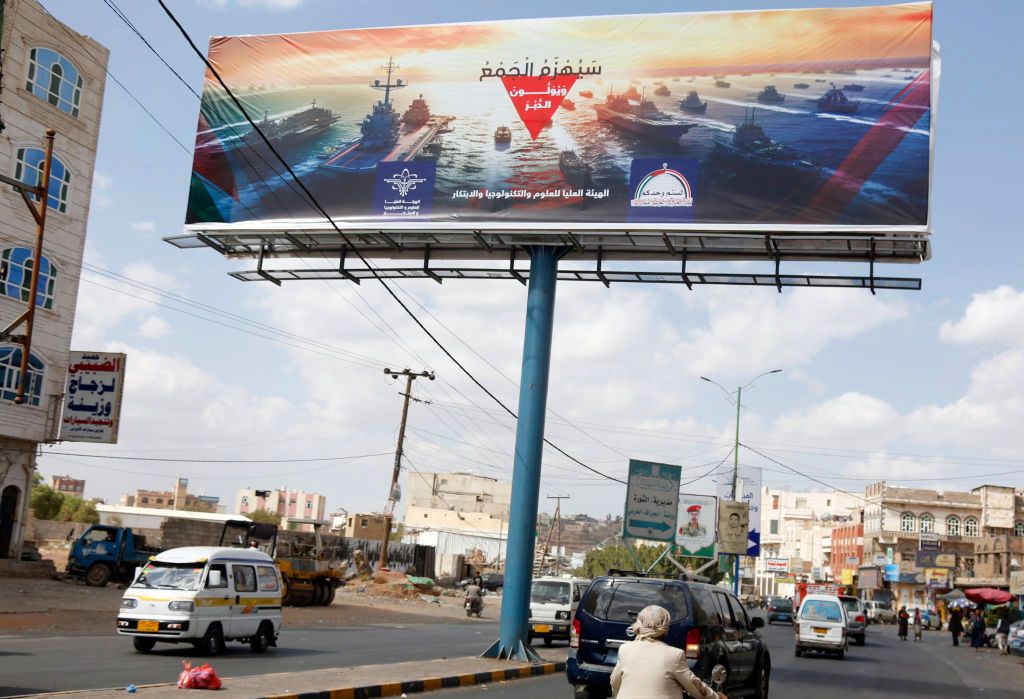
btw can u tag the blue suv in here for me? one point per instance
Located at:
(708, 623)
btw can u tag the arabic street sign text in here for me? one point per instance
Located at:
(652, 498)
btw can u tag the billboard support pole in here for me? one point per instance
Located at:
(533, 396)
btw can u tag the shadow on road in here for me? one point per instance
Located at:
(795, 677)
(231, 652)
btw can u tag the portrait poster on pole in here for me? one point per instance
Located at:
(732, 527)
(652, 500)
(695, 530)
(749, 491)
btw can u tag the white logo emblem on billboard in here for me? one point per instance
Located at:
(404, 181)
(663, 187)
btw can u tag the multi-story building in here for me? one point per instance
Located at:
(995, 557)
(366, 526)
(177, 499)
(457, 502)
(74, 487)
(847, 551)
(796, 527)
(293, 504)
(50, 77)
(903, 526)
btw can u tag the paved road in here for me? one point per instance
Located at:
(47, 664)
(885, 668)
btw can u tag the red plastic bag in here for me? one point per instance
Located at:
(202, 677)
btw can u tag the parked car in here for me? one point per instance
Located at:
(930, 619)
(183, 596)
(1016, 638)
(553, 603)
(856, 619)
(780, 609)
(708, 623)
(879, 613)
(821, 625)
(493, 582)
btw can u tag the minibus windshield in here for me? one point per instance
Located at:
(171, 576)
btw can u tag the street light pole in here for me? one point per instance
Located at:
(736, 460)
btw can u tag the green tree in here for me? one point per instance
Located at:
(46, 503)
(265, 516)
(86, 512)
(600, 561)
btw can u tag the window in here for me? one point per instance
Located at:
(775, 502)
(309, 506)
(16, 277)
(739, 615)
(268, 578)
(223, 569)
(821, 610)
(145, 499)
(907, 522)
(970, 527)
(774, 526)
(245, 578)
(28, 168)
(245, 499)
(55, 79)
(1018, 529)
(801, 503)
(625, 600)
(364, 522)
(927, 524)
(952, 526)
(10, 375)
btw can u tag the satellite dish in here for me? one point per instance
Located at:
(1014, 563)
(825, 516)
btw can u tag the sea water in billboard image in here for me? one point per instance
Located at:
(808, 120)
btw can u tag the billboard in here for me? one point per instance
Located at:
(652, 500)
(717, 121)
(695, 525)
(777, 565)
(92, 397)
(733, 518)
(749, 491)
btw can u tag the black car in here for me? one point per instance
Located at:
(493, 582)
(708, 623)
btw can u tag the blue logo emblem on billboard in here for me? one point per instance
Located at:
(662, 190)
(404, 188)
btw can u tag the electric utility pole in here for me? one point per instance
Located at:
(389, 507)
(558, 531)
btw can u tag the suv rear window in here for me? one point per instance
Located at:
(622, 601)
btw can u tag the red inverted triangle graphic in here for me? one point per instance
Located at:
(537, 98)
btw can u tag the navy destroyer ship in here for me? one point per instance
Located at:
(692, 103)
(752, 156)
(386, 137)
(294, 129)
(770, 95)
(835, 101)
(575, 170)
(644, 119)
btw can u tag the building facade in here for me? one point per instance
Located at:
(52, 77)
(73, 487)
(457, 502)
(365, 526)
(176, 499)
(797, 528)
(293, 504)
(847, 551)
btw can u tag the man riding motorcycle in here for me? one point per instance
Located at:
(474, 599)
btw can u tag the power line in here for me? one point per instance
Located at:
(323, 212)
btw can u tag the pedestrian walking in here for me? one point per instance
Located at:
(650, 669)
(917, 625)
(977, 630)
(956, 625)
(903, 618)
(1002, 633)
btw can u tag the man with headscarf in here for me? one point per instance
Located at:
(648, 668)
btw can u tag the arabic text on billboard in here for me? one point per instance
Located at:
(665, 120)
(92, 397)
(652, 500)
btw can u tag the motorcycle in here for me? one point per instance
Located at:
(474, 605)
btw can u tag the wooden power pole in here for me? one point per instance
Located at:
(558, 531)
(389, 507)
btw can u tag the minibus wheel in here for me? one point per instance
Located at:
(212, 642)
(263, 639)
(143, 645)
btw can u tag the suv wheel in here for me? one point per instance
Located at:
(582, 691)
(759, 682)
(797, 651)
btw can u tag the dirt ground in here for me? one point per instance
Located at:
(51, 607)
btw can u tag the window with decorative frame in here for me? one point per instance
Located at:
(970, 527)
(927, 524)
(952, 526)
(1018, 529)
(16, 277)
(10, 375)
(907, 522)
(28, 168)
(53, 78)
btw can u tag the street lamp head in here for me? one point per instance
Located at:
(707, 379)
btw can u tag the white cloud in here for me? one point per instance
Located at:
(993, 317)
(101, 184)
(852, 420)
(144, 226)
(100, 308)
(154, 327)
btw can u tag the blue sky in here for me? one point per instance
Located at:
(908, 385)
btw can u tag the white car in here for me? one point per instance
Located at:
(879, 613)
(821, 625)
(553, 603)
(205, 596)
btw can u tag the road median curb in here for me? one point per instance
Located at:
(395, 689)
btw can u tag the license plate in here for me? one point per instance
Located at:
(149, 626)
(542, 628)
(818, 629)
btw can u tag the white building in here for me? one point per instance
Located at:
(797, 527)
(459, 501)
(53, 77)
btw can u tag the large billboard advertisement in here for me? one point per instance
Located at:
(652, 500)
(790, 120)
(92, 397)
